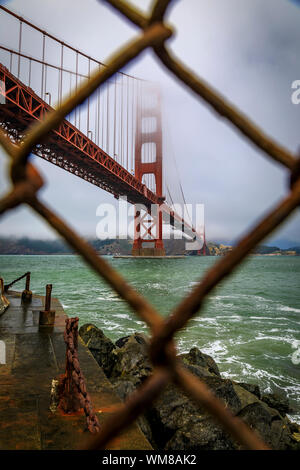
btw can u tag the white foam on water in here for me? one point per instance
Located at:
(193, 283)
(295, 418)
(214, 320)
(124, 316)
(289, 309)
(269, 318)
(215, 349)
(283, 339)
(112, 328)
(110, 297)
(243, 296)
(257, 299)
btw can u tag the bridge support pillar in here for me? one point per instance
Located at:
(146, 242)
(204, 250)
(148, 169)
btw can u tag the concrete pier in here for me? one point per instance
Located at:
(34, 356)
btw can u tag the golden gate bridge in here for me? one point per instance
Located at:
(114, 140)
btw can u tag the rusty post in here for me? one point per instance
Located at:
(47, 316)
(27, 294)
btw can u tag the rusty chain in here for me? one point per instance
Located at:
(27, 181)
(72, 387)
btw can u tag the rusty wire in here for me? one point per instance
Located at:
(27, 181)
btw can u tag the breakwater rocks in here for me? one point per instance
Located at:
(174, 422)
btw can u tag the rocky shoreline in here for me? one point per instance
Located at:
(174, 422)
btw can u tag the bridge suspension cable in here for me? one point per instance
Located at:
(173, 185)
(61, 68)
(39, 71)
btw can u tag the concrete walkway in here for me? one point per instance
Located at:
(35, 356)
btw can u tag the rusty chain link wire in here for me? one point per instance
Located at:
(72, 387)
(27, 181)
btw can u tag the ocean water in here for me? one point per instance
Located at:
(250, 323)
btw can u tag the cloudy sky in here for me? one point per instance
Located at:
(247, 49)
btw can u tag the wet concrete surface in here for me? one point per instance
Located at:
(34, 357)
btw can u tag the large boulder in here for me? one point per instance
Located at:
(252, 388)
(131, 360)
(100, 346)
(177, 421)
(205, 434)
(124, 388)
(196, 358)
(277, 432)
(278, 402)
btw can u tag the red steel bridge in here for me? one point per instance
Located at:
(113, 141)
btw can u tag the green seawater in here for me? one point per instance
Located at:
(250, 323)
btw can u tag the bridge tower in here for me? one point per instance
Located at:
(204, 250)
(148, 161)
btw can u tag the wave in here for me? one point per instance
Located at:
(285, 308)
(256, 298)
(216, 348)
(122, 316)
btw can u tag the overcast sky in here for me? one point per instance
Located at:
(249, 50)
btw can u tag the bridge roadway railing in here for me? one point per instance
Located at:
(27, 182)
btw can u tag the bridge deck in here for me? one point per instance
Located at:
(33, 358)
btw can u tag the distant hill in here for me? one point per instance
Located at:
(268, 250)
(27, 246)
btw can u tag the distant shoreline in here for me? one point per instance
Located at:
(279, 255)
(117, 246)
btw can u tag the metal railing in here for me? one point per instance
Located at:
(27, 287)
(27, 181)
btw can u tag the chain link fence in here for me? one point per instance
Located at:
(26, 182)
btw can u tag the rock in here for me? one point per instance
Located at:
(140, 338)
(197, 358)
(100, 346)
(252, 388)
(123, 389)
(257, 417)
(175, 419)
(120, 342)
(278, 402)
(246, 398)
(224, 389)
(131, 359)
(294, 427)
(175, 422)
(169, 413)
(203, 435)
(271, 427)
(198, 371)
